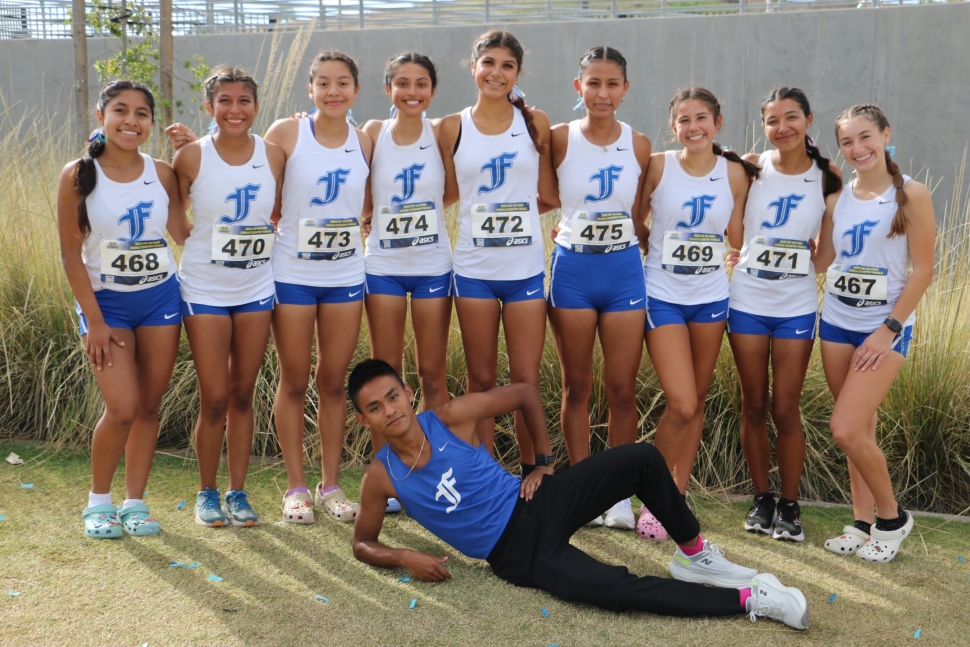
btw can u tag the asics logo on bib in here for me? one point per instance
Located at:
(497, 166)
(858, 233)
(408, 176)
(783, 208)
(243, 197)
(698, 206)
(446, 488)
(607, 178)
(136, 217)
(333, 180)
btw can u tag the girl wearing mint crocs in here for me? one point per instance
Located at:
(114, 206)
(884, 239)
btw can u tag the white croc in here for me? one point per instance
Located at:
(297, 508)
(851, 540)
(884, 545)
(336, 504)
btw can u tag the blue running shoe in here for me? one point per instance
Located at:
(207, 509)
(238, 510)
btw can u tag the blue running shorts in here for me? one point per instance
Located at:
(309, 295)
(661, 313)
(159, 305)
(800, 327)
(505, 291)
(419, 287)
(190, 309)
(828, 332)
(602, 282)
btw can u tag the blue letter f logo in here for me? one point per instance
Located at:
(497, 166)
(783, 208)
(858, 235)
(332, 180)
(408, 177)
(698, 206)
(136, 217)
(243, 197)
(607, 177)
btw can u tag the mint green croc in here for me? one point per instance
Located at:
(101, 522)
(137, 521)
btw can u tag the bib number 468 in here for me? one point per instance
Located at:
(136, 263)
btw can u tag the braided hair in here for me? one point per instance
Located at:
(753, 171)
(501, 38)
(832, 182)
(875, 114)
(85, 173)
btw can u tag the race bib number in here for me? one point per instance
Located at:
(134, 263)
(501, 224)
(242, 246)
(859, 286)
(692, 253)
(778, 259)
(328, 239)
(600, 232)
(407, 225)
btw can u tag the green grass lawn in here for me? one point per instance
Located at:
(78, 591)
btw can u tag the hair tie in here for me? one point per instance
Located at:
(516, 92)
(97, 136)
(213, 127)
(350, 118)
(811, 142)
(580, 104)
(891, 151)
(393, 111)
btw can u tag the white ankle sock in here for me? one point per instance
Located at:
(98, 499)
(130, 502)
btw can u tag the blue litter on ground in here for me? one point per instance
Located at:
(400, 579)
(414, 603)
(192, 565)
(918, 632)
(959, 559)
(180, 505)
(545, 612)
(13, 594)
(3, 518)
(144, 494)
(832, 597)
(176, 564)
(27, 486)
(321, 598)
(215, 578)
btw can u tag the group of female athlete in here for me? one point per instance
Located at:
(278, 245)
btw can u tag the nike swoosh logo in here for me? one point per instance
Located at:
(152, 182)
(263, 301)
(717, 314)
(260, 166)
(353, 294)
(171, 315)
(436, 289)
(807, 180)
(715, 179)
(620, 150)
(633, 303)
(801, 332)
(517, 134)
(349, 150)
(424, 147)
(529, 294)
(885, 201)
(442, 448)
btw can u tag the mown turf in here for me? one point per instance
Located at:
(76, 591)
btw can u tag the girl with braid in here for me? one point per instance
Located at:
(774, 300)
(884, 239)
(114, 206)
(691, 195)
(497, 154)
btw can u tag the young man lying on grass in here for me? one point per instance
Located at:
(436, 466)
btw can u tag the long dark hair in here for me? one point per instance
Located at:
(229, 74)
(875, 114)
(334, 55)
(395, 62)
(753, 171)
(602, 53)
(832, 182)
(85, 174)
(502, 38)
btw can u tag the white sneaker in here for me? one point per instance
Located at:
(393, 506)
(770, 599)
(620, 516)
(710, 566)
(596, 522)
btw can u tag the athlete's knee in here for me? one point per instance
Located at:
(479, 381)
(293, 389)
(621, 396)
(241, 400)
(214, 409)
(576, 392)
(755, 409)
(433, 382)
(328, 388)
(122, 414)
(681, 410)
(788, 418)
(846, 435)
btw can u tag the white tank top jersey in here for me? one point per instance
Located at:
(774, 276)
(499, 235)
(408, 233)
(597, 188)
(126, 250)
(685, 261)
(870, 269)
(319, 243)
(226, 261)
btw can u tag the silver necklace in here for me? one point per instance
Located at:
(387, 457)
(603, 146)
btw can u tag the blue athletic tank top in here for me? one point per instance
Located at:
(461, 495)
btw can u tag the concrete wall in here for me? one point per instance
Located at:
(912, 61)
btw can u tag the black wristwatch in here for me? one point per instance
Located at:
(544, 460)
(893, 325)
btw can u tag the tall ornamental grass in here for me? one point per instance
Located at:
(48, 394)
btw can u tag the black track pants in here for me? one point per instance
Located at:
(534, 549)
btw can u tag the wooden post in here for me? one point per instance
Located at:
(124, 38)
(166, 68)
(80, 70)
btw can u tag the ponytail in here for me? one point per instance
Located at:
(900, 220)
(86, 178)
(530, 122)
(753, 171)
(832, 182)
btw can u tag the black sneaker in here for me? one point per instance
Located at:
(788, 524)
(761, 516)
